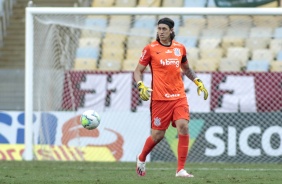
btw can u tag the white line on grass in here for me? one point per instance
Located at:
(200, 169)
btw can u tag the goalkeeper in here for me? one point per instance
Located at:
(166, 58)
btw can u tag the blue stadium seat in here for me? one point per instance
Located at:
(145, 23)
(278, 32)
(187, 41)
(97, 22)
(279, 56)
(257, 66)
(88, 52)
(194, 3)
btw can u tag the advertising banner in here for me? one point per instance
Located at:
(228, 137)
(59, 136)
(228, 92)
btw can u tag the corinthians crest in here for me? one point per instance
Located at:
(177, 52)
(157, 121)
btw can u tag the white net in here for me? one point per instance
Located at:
(85, 62)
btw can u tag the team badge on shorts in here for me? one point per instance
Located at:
(157, 121)
(177, 51)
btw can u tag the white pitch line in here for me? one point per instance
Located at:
(195, 169)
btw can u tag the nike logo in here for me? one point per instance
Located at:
(158, 52)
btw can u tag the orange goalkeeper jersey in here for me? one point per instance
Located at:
(165, 63)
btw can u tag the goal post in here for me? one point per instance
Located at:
(43, 95)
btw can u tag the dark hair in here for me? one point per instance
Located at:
(166, 21)
(170, 23)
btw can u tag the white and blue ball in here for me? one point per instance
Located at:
(90, 119)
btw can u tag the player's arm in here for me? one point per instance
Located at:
(144, 91)
(189, 72)
(193, 77)
(138, 72)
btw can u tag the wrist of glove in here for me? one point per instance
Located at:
(144, 91)
(201, 88)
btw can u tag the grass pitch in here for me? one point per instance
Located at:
(124, 173)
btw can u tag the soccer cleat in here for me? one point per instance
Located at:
(140, 167)
(182, 173)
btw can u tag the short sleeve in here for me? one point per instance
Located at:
(145, 56)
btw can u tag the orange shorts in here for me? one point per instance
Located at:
(165, 112)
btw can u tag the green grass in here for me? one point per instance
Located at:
(119, 173)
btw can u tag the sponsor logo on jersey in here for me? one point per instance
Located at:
(157, 121)
(171, 95)
(177, 51)
(170, 61)
(168, 51)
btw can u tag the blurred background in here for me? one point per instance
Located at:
(188, 31)
(86, 62)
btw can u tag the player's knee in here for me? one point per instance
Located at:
(158, 136)
(183, 129)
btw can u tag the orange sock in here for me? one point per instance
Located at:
(149, 145)
(183, 146)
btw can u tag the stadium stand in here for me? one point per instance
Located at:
(231, 41)
(276, 66)
(254, 43)
(103, 3)
(172, 3)
(97, 21)
(129, 65)
(212, 33)
(109, 42)
(133, 54)
(279, 56)
(229, 65)
(88, 52)
(222, 39)
(112, 54)
(188, 32)
(149, 3)
(263, 54)
(145, 22)
(188, 42)
(257, 66)
(114, 20)
(209, 43)
(213, 53)
(12, 49)
(110, 65)
(194, 22)
(278, 32)
(207, 65)
(126, 3)
(216, 22)
(237, 32)
(240, 53)
(241, 21)
(275, 46)
(85, 64)
(266, 21)
(89, 42)
(193, 55)
(195, 3)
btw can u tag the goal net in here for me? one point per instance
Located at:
(83, 58)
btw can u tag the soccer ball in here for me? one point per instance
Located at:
(90, 119)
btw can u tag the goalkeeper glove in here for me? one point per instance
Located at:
(143, 91)
(201, 88)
